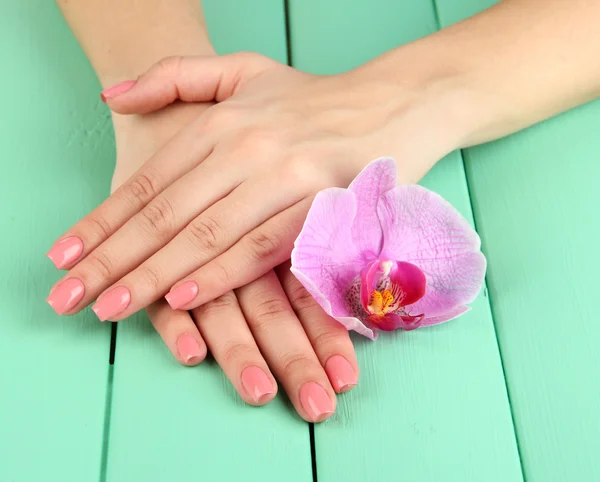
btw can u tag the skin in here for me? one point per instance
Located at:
(278, 136)
(295, 351)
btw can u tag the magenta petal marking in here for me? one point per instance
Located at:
(422, 228)
(378, 177)
(411, 281)
(392, 321)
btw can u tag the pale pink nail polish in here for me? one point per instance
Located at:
(65, 251)
(256, 382)
(112, 303)
(117, 89)
(181, 295)
(315, 401)
(188, 349)
(340, 373)
(66, 295)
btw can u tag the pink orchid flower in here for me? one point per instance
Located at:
(379, 256)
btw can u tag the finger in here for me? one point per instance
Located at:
(189, 148)
(228, 337)
(179, 332)
(190, 79)
(286, 348)
(145, 233)
(252, 256)
(330, 340)
(210, 234)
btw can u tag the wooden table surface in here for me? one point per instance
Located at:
(509, 392)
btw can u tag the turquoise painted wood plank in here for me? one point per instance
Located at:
(431, 404)
(174, 423)
(535, 198)
(56, 151)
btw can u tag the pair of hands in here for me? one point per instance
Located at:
(219, 205)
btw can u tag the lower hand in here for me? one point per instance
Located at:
(255, 334)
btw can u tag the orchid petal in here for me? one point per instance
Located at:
(348, 322)
(392, 321)
(450, 315)
(324, 252)
(422, 228)
(411, 281)
(378, 177)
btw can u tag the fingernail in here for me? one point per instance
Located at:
(65, 251)
(257, 383)
(112, 303)
(315, 401)
(188, 348)
(340, 373)
(182, 294)
(66, 295)
(117, 89)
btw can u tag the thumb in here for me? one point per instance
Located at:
(190, 79)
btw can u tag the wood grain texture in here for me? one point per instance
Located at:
(57, 151)
(169, 422)
(536, 199)
(431, 404)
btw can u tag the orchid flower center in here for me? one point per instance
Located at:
(386, 301)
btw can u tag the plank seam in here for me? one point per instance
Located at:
(108, 403)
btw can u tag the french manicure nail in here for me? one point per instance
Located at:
(315, 401)
(188, 348)
(112, 303)
(66, 295)
(182, 294)
(340, 373)
(65, 251)
(256, 382)
(117, 89)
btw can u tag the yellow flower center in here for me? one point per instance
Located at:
(382, 302)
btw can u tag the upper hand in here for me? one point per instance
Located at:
(222, 203)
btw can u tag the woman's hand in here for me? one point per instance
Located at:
(221, 204)
(269, 329)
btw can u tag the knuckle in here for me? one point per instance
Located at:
(205, 233)
(150, 277)
(263, 246)
(330, 340)
(301, 171)
(216, 306)
(170, 65)
(234, 352)
(257, 141)
(271, 308)
(158, 216)
(142, 189)
(301, 299)
(101, 264)
(100, 226)
(295, 363)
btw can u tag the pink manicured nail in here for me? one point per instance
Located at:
(315, 401)
(188, 348)
(65, 251)
(182, 295)
(340, 373)
(112, 303)
(257, 383)
(117, 89)
(66, 295)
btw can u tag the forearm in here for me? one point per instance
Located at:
(509, 67)
(123, 38)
